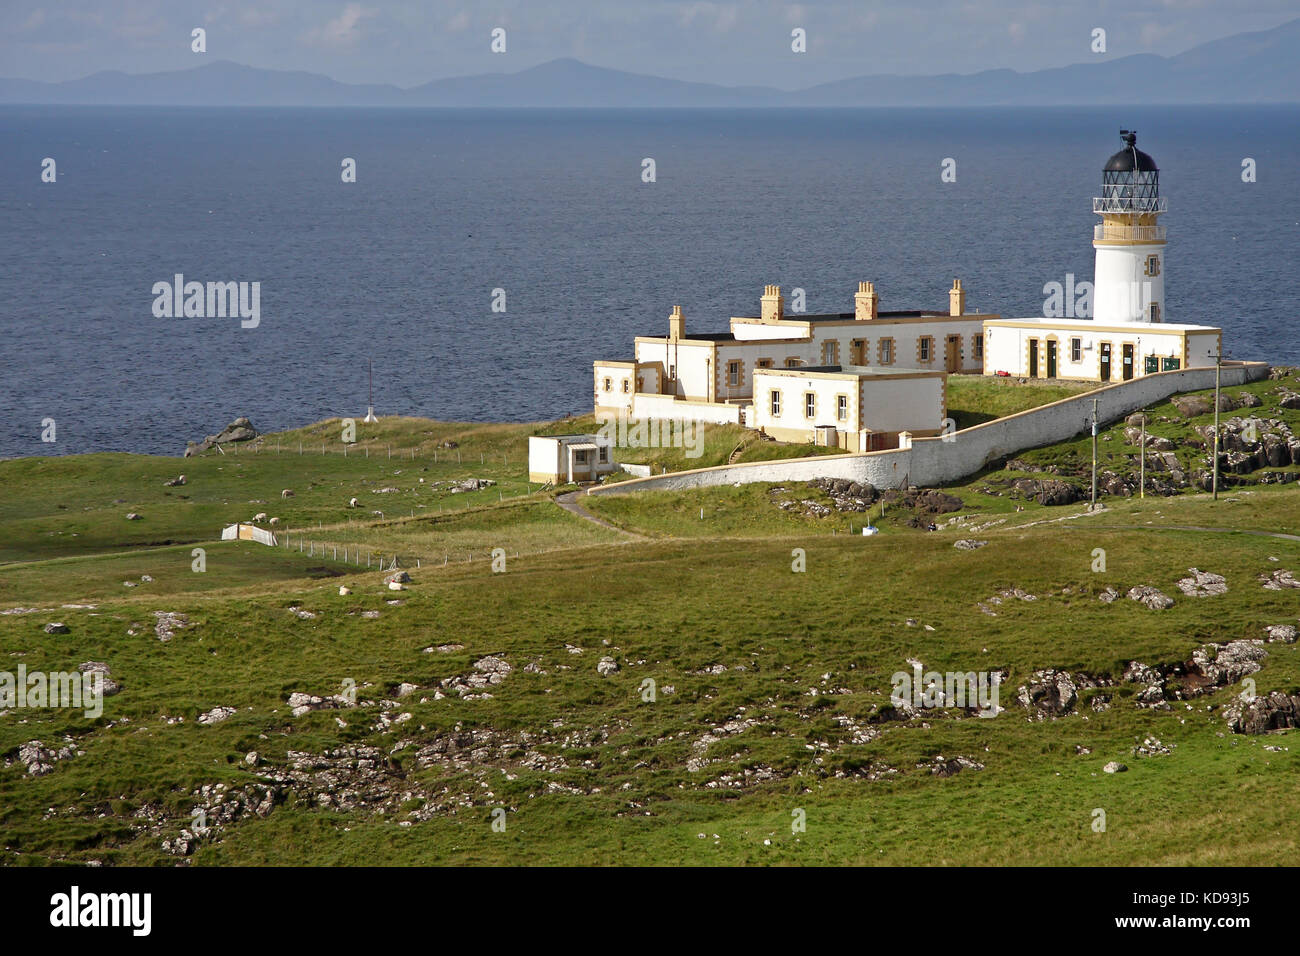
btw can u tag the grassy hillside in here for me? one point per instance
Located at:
(478, 690)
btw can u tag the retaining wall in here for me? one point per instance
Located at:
(937, 461)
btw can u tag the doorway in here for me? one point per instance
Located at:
(1033, 358)
(1104, 361)
(1051, 358)
(1128, 362)
(952, 353)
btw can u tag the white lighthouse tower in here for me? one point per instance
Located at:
(1129, 280)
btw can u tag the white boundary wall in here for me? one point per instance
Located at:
(934, 461)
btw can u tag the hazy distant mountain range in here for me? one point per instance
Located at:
(1258, 67)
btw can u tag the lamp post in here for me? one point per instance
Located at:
(1218, 367)
(1093, 505)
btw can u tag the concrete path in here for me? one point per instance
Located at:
(569, 502)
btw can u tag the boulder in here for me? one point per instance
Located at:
(57, 627)
(606, 666)
(241, 429)
(968, 544)
(1114, 767)
(1189, 406)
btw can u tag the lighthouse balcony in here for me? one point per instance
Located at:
(1122, 202)
(1123, 233)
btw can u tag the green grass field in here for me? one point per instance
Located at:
(771, 686)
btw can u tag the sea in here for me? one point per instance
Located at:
(483, 259)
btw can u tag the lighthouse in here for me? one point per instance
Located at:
(1129, 280)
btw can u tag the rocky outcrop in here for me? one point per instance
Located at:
(1049, 491)
(241, 429)
(1052, 693)
(1258, 715)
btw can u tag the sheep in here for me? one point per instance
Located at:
(260, 516)
(287, 493)
(354, 503)
(274, 521)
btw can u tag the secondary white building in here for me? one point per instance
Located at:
(565, 459)
(849, 407)
(710, 377)
(1127, 336)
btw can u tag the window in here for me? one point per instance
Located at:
(580, 456)
(627, 386)
(1153, 265)
(1076, 350)
(830, 353)
(1152, 364)
(733, 374)
(672, 373)
(792, 362)
(842, 408)
(924, 348)
(763, 363)
(886, 351)
(604, 454)
(1155, 312)
(776, 403)
(608, 384)
(809, 404)
(979, 346)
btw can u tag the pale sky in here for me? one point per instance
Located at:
(734, 43)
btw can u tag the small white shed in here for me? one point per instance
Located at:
(563, 459)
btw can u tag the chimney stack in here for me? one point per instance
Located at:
(676, 324)
(772, 304)
(956, 299)
(866, 304)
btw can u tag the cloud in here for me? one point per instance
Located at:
(343, 31)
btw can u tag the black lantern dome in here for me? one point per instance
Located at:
(1131, 180)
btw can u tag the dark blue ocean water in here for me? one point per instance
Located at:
(549, 205)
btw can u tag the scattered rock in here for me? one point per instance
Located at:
(968, 544)
(1278, 580)
(40, 760)
(606, 666)
(1152, 747)
(132, 516)
(1108, 596)
(1202, 584)
(1152, 597)
(1114, 767)
(216, 715)
(168, 623)
(57, 627)
(1285, 633)
(172, 483)
(400, 577)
